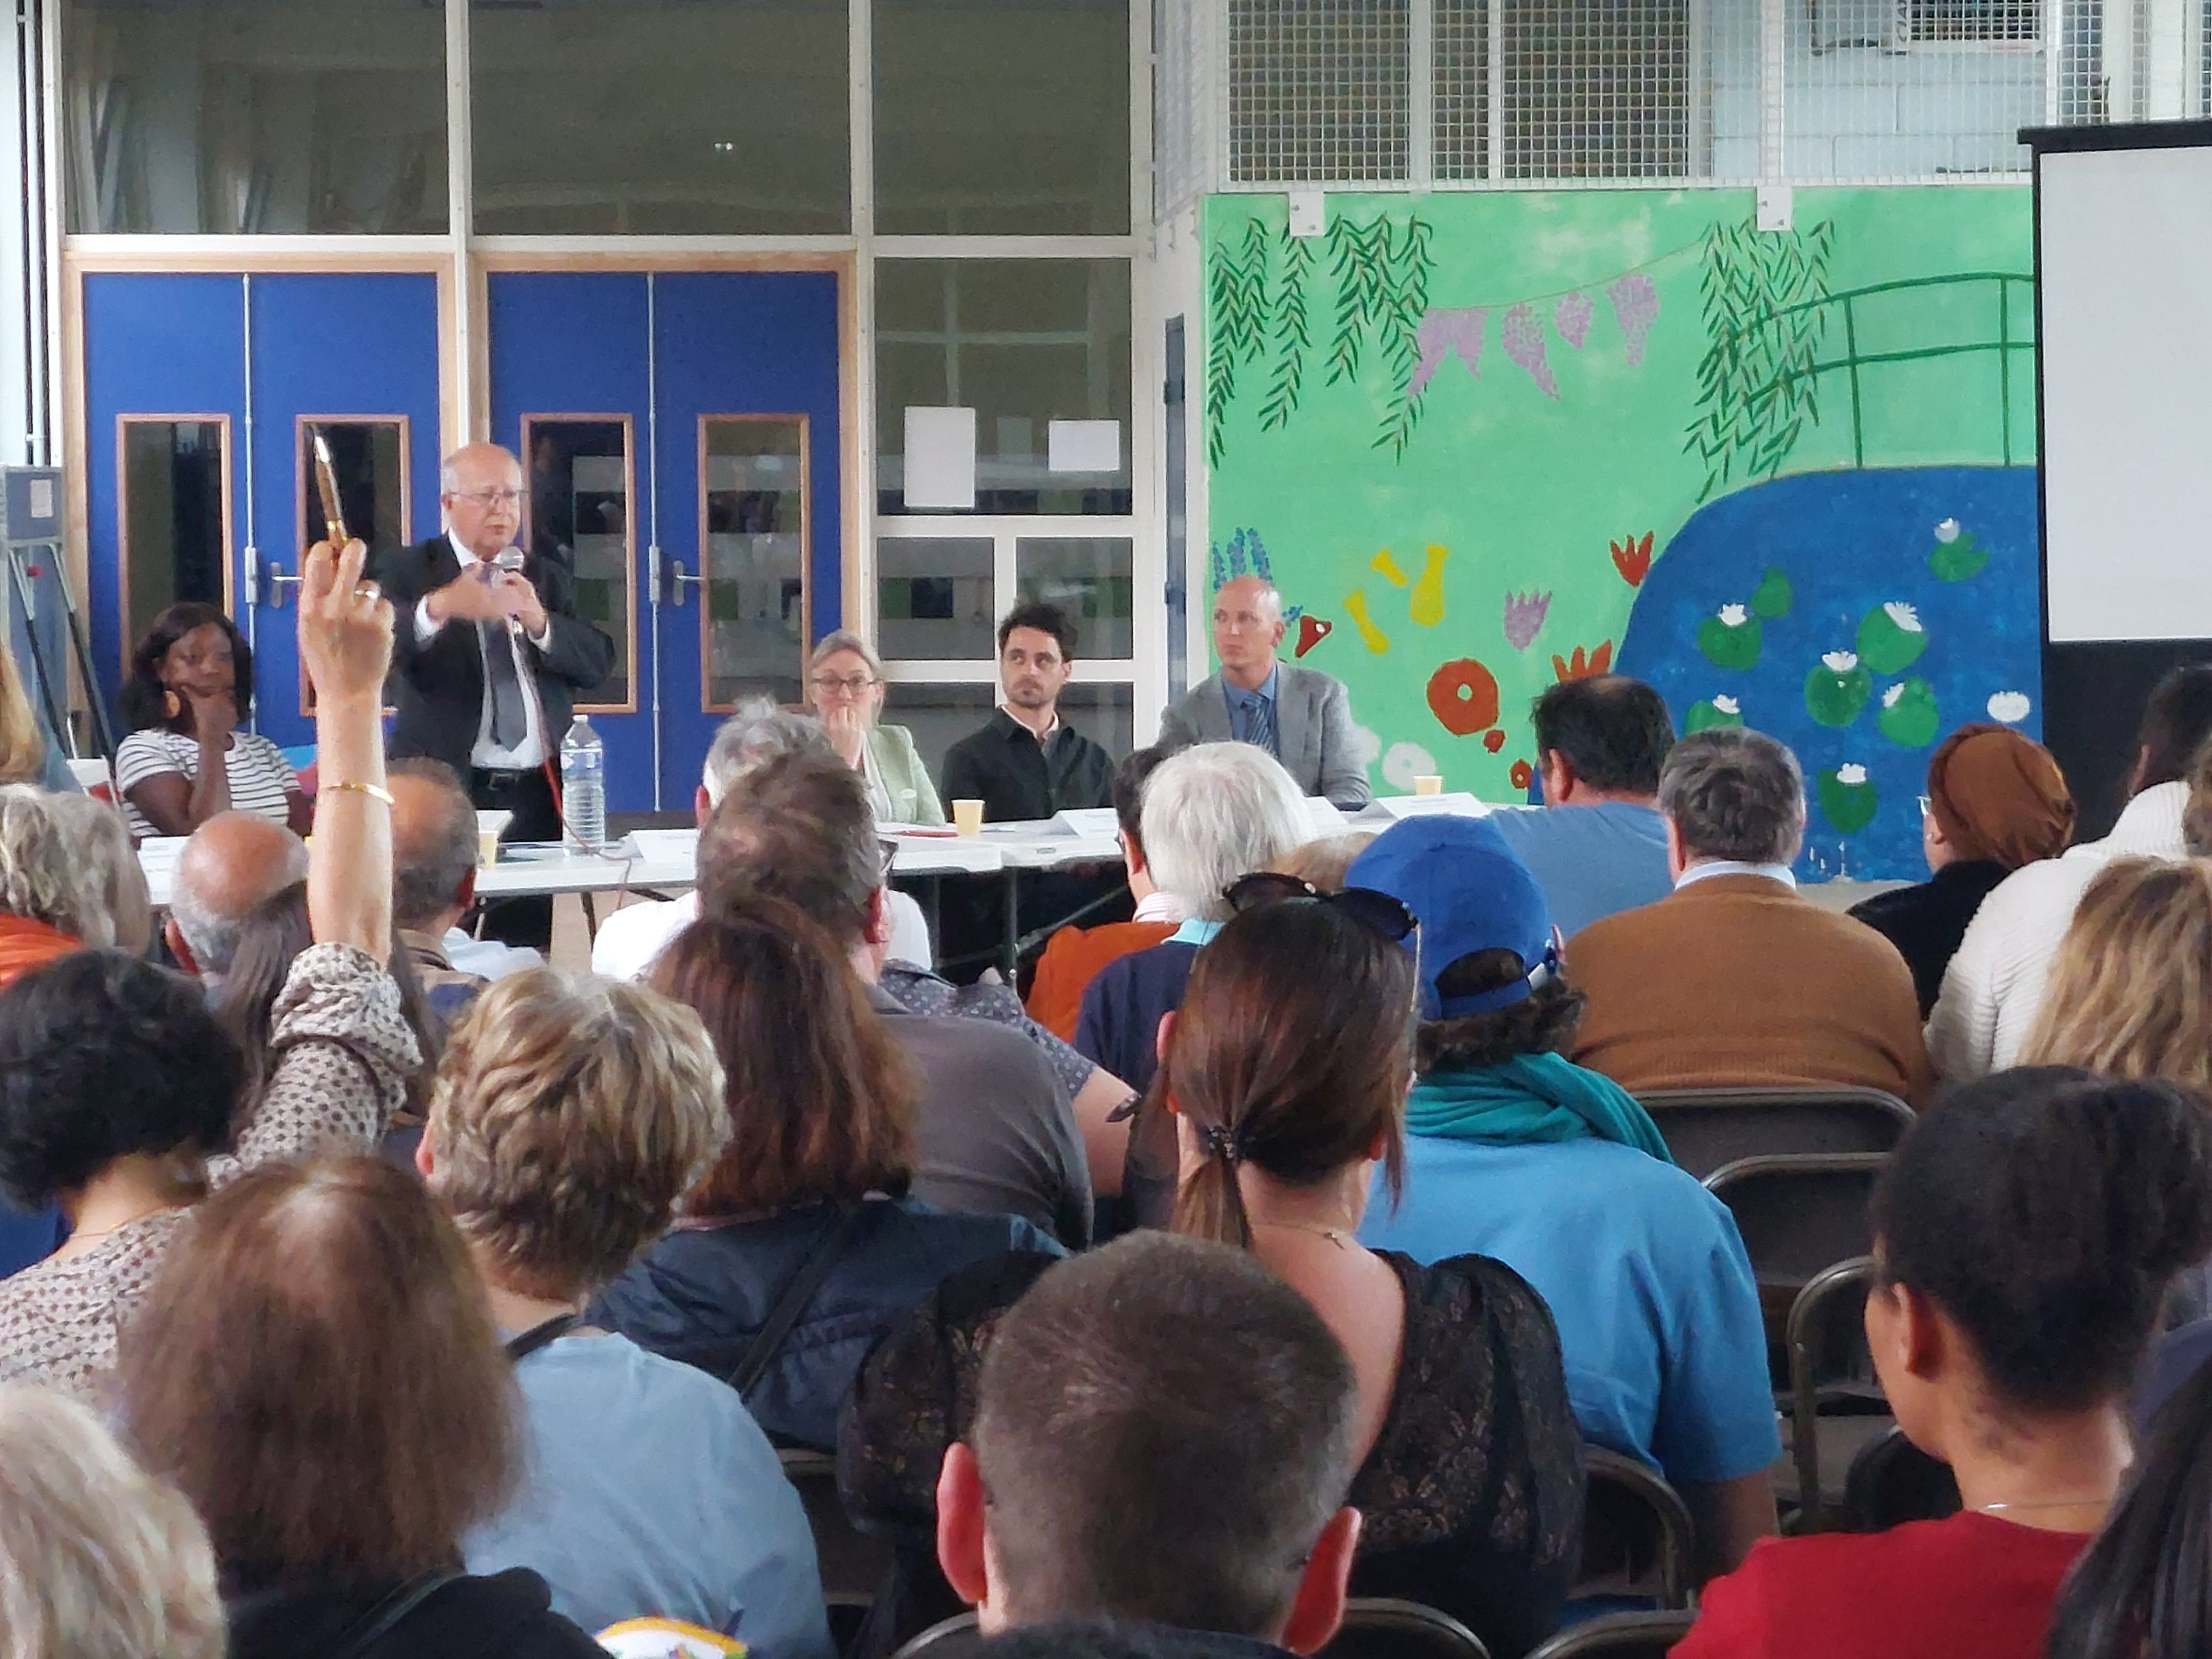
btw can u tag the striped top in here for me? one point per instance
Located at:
(260, 776)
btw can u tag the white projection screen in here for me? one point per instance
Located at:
(2124, 260)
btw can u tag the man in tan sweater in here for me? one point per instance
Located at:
(1734, 978)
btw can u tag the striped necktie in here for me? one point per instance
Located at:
(1259, 724)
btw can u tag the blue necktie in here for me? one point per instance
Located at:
(1259, 724)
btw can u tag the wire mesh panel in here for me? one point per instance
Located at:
(1462, 95)
(1596, 89)
(1318, 91)
(1879, 90)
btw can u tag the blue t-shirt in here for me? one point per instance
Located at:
(651, 1492)
(1591, 861)
(1645, 1276)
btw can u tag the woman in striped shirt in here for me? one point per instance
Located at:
(191, 678)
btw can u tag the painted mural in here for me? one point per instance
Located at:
(1484, 443)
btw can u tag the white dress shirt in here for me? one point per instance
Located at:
(531, 753)
(1711, 867)
(628, 940)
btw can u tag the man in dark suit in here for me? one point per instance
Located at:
(486, 661)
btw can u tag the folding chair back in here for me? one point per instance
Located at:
(1706, 1128)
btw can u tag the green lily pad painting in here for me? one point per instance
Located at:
(1837, 689)
(1711, 712)
(1774, 596)
(1909, 717)
(1891, 638)
(1731, 639)
(1848, 800)
(1958, 553)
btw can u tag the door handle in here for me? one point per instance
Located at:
(679, 579)
(267, 581)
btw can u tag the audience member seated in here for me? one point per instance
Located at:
(184, 761)
(1212, 813)
(96, 1558)
(997, 1135)
(571, 1113)
(801, 1248)
(1287, 1070)
(1556, 1172)
(231, 866)
(28, 752)
(317, 1372)
(52, 897)
(116, 1084)
(1073, 956)
(433, 877)
(1994, 988)
(1025, 762)
(2141, 1590)
(2023, 1233)
(270, 945)
(95, 829)
(846, 684)
(1600, 744)
(1995, 801)
(1735, 978)
(1323, 864)
(2131, 987)
(758, 732)
(1165, 1432)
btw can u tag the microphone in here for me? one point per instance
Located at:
(510, 558)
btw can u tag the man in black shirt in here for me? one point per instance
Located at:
(1026, 763)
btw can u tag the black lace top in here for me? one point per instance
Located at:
(1472, 1496)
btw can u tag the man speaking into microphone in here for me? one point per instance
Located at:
(487, 660)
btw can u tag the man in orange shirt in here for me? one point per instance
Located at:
(1073, 956)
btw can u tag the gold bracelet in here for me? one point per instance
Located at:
(373, 791)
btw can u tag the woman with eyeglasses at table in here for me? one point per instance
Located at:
(1285, 1071)
(845, 684)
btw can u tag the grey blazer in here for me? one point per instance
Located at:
(1313, 723)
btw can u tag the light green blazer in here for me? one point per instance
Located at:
(898, 783)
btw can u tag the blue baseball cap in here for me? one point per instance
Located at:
(1470, 892)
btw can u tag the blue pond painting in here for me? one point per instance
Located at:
(1859, 617)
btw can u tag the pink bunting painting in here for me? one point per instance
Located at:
(1523, 337)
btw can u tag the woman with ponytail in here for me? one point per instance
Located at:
(1284, 1077)
(2025, 1230)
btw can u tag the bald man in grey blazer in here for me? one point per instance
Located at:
(1301, 716)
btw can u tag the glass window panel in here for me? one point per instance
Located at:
(232, 117)
(660, 117)
(176, 516)
(754, 531)
(1090, 580)
(1000, 119)
(1022, 342)
(1107, 714)
(938, 716)
(579, 514)
(934, 598)
(370, 458)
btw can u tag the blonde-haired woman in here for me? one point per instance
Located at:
(2130, 990)
(845, 683)
(96, 1556)
(28, 753)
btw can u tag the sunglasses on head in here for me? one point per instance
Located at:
(1378, 912)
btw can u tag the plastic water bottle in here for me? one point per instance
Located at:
(583, 785)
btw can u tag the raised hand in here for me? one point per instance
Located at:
(345, 624)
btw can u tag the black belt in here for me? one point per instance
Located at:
(501, 777)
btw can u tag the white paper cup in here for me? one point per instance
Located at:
(1428, 783)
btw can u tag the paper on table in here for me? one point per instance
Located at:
(1088, 820)
(1326, 816)
(940, 459)
(1457, 803)
(658, 846)
(1083, 445)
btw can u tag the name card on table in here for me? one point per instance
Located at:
(1090, 821)
(1455, 804)
(1325, 815)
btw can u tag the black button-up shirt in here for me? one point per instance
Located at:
(1015, 777)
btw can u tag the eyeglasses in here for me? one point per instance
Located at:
(1378, 912)
(490, 497)
(1926, 806)
(826, 683)
(887, 851)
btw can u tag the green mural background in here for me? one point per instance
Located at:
(1417, 479)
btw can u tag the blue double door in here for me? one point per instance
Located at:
(679, 432)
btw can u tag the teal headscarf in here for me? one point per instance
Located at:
(1531, 1099)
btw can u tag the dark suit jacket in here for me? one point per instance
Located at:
(438, 688)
